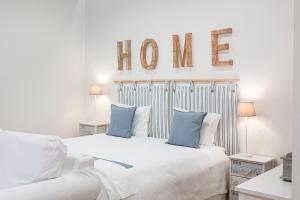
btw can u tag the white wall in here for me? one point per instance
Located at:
(296, 136)
(42, 65)
(261, 46)
(42, 58)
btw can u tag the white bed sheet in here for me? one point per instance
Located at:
(160, 171)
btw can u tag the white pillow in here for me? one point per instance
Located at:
(141, 120)
(28, 158)
(209, 127)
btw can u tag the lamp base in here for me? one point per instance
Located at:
(247, 155)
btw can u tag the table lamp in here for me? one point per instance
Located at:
(246, 109)
(96, 90)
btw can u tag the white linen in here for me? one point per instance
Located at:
(160, 171)
(80, 185)
(29, 158)
(141, 120)
(74, 163)
(208, 129)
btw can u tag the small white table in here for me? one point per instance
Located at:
(92, 127)
(267, 186)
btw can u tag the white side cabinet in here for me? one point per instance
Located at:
(92, 127)
(243, 168)
(268, 186)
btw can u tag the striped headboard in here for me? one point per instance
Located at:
(211, 97)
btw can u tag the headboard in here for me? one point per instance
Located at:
(215, 96)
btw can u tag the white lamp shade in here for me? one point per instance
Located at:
(246, 109)
(96, 90)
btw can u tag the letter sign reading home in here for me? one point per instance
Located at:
(184, 60)
(124, 55)
(216, 47)
(143, 54)
(180, 58)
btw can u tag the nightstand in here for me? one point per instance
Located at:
(92, 127)
(245, 168)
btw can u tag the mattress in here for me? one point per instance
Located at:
(147, 168)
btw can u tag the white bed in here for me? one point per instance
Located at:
(159, 171)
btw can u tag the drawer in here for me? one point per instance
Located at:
(101, 129)
(246, 169)
(91, 130)
(87, 130)
(234, 195)
(237, 180)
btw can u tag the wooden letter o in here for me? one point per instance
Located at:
(143, 54)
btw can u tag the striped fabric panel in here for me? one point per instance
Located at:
(163, 97)
(220, 98)
(156, 95)
(226, 96)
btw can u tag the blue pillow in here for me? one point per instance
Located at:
(185, 129)
(121, 121)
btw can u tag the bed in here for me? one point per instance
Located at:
(147, 168)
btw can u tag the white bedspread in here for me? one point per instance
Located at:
(78, 185)
(160, 171)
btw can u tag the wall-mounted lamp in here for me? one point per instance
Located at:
(246, 109)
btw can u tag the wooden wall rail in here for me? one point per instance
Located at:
(180, 81)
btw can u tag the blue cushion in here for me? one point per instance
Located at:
(121, 121)
(185, 129)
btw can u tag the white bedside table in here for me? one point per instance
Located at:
(244, 168)
(92, 127)
(268, 186)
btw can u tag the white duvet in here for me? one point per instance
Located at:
(160, 171)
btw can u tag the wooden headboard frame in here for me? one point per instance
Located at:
(236, 80)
